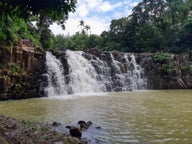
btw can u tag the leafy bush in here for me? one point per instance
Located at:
(162, 58)
(185, 69)
(13, 29)
(14, 68)
(167, 68)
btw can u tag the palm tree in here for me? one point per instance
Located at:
(87, 28)
(82, 24)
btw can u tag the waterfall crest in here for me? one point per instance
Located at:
(87, 73)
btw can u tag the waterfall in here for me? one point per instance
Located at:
(56, 79)
(87, 73)
(83, 77)
(137, 78)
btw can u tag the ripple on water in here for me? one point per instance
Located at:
(147, 117)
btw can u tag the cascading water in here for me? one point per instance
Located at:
(83, 77)
(88, 73)
(56, 79)
(138, 80)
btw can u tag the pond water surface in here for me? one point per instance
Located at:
(138, 117)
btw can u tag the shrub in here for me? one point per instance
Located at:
(167, 68)
(14, 68)
(185, 69)
(162, 58)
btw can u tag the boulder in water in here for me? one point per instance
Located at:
(74, 131)
(55, 124)
(84, 125)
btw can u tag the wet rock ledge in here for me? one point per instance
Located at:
(13, 131)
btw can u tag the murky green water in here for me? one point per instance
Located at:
(134, 117)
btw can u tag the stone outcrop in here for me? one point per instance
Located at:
(21, 71)
(176, 73)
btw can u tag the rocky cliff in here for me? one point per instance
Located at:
(167, 71)
(21, 71)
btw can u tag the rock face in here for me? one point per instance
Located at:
(173, 73)
(21, 71)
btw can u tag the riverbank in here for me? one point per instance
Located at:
(14, 131)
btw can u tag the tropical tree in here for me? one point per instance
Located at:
(56, 10)
(82, 25)
(46, 12)
(164, 18)
(87, 28)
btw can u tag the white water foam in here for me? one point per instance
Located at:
(83, 77)
(56, 80)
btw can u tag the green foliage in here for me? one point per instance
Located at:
(165, 60)
(45, 38)
(115, 38)
(54, 10)
(16, 17)
(167, 69)
(79, 41)
(186, 69)
(153, 26)
(58, 41)
(11, 30)
(56, 52)
(185, 37)
(14, 68)
(162, 58)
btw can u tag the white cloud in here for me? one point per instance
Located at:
(104, 7)
(97, 14)
(134, 4)
(82, 10)
(107, 6)
(93, 3)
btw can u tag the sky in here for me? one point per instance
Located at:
(95, 13)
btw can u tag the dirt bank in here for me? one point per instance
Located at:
(13, 131)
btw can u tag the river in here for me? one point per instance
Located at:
(138, 117)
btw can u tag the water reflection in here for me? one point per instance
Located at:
(132, 117)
